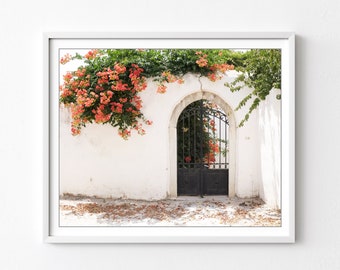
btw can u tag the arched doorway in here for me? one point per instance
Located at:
(231, 135)
(202, 150)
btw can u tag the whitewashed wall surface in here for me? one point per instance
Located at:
(100, 163)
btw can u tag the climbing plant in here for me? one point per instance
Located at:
(260, 71)
(105, 88)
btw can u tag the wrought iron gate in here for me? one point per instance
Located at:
(202, 150)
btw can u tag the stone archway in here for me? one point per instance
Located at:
(173, 137)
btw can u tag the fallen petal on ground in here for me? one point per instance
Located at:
(182, 211)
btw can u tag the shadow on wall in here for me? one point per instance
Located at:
(270, 150)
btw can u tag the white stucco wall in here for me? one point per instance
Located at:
(269, 125)
(98, 162)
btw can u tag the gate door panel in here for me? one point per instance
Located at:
(189, 183)
(202, 150)
(215, 182)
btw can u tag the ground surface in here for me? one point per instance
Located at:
(182, 211)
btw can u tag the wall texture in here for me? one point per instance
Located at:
(100, 163)
(317, 130)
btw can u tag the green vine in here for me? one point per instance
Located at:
(105, 89)
(260, 71)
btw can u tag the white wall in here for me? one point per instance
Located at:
(317, 130)
(269, 125)
(98, 162)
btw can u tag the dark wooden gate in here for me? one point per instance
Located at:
(202, 150)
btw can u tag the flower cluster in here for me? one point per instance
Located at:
(202, 61)
(213, 150)
(91, 54)
(106, 89)
(106, 96)
(215, 71)
(170, 78)
(213, 145)
(67, 58)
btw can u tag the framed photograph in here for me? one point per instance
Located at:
(169, 137)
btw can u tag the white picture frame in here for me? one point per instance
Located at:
(54, 234)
